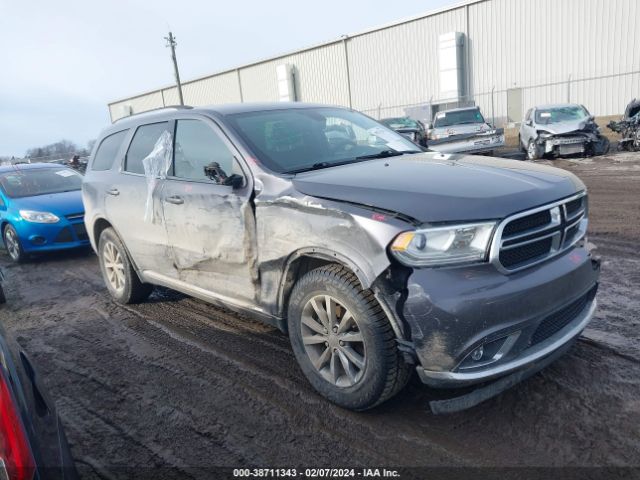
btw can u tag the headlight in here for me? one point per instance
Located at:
(544, 134)
(450, 245)
(38, 217)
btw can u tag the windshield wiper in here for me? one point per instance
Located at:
(387, 153)
(321, 165)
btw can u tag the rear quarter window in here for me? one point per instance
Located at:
(107, 151)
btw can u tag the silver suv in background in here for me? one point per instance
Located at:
(560, 130)
(463, 130)
(375, 257)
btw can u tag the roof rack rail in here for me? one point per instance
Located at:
(175, 107)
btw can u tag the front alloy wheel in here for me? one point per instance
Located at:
(333, 341)
(343, 341)
(533, 151)
(12, 244)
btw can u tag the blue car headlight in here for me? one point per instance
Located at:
(38, 217)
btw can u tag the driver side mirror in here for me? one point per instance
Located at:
(529, 123)
(430, 126)
(214, 172)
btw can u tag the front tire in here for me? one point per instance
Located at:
(117, 271)
(343, 340)
(533, 151)
(13, 245)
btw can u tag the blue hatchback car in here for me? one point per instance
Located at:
(41, 209)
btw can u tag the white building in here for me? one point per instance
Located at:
(504, 55)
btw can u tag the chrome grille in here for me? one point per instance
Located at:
(530, 237)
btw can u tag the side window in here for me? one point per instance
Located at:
(2, 204)
(196, 147)
(142, 144)
(528, 115)
(107, 151)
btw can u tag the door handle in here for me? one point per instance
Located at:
(175, 199)
(114, 191)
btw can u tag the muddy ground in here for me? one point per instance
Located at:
(177, 383)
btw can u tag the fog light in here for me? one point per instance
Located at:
(477, 354)
(38, 240)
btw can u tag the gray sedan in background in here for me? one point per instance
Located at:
(561, 130)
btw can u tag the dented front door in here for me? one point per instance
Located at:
(210, 226)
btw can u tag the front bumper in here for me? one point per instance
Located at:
(518, 319)
(42, 237)
(468, 143)
(566, 145)
(576, 144)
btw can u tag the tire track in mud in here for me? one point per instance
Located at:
(178, 383)
(198, 372)
(259, 379)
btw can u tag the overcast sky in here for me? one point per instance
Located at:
(62, 61)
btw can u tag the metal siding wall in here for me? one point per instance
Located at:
(399, 65)
(512, 43)
(138, 104)
(321, 76)
(522, 43)
(217, 89)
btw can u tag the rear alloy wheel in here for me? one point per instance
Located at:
(118, 273)
(113, 266)
(343, 340)
(12, 244)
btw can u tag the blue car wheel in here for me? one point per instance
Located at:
(12, 244)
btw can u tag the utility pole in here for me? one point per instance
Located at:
(171, 42)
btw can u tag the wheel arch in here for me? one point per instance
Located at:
(99, 225)
(307, 259)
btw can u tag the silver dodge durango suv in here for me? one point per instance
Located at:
(375, 257)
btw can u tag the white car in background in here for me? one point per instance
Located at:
(561, 130)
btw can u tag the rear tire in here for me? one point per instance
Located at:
(13, 245)
(117, 271)
(368, 340)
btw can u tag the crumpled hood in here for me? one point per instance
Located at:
(431, 187)
(60, 204)
(563, 127)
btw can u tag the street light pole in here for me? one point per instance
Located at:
(171, 43)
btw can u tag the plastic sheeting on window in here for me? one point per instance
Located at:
(156, 167)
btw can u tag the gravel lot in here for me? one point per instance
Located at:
(177, 383)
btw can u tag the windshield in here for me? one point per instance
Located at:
(399, 122)
(572, 113)
(292, 140)
(459, 117)
(29, 183)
